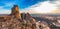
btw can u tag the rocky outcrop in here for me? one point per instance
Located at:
(17, 20)
(15, 12)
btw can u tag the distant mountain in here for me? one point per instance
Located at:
(35, 15)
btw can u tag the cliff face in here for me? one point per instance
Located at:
(15, 12)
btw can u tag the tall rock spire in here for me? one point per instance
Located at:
(15, 12)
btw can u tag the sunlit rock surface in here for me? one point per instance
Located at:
(15, 11)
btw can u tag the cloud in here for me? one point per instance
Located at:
(1, 7)
(10, 4)
(4, 10)
(56, 11)
(42, 7)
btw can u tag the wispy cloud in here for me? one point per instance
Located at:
(10, 4)
(4, 10)
(43, 7)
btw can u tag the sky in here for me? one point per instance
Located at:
(31, 6)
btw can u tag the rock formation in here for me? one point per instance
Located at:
(15, 12)
(17, 20)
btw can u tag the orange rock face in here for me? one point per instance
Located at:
(15, 12)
